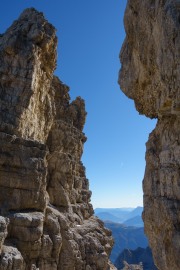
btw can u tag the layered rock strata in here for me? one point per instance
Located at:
(46, 218)
(150, 75)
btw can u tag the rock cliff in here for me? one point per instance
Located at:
(150, 75)
(46, 218)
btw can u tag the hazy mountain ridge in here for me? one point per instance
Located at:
(140, 255)
(119, 215)
(126, 238)
(131, 244)
(135, 221)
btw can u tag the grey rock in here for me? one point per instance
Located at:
(150, 75)
(11, 259)
(44, 192)
(3, 231)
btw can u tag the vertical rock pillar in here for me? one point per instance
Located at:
(46, 218)
(150, 75)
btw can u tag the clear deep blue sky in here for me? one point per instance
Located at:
(90, 34)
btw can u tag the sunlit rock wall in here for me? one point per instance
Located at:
(46, 220)
(150, 74)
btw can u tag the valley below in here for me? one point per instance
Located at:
(130, 242)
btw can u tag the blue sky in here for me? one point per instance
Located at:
(90, 35)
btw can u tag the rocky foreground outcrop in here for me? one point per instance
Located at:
(150, 75)
(46, 220)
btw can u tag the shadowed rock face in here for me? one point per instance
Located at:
(46, 218)
(150, 75)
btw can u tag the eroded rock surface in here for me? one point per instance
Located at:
(46, 218)
(150, 75)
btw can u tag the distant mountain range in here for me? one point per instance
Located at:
(135, 221)
(114, 210)
(125, 238)
(140, 255)
(131, 244)
(127, 216)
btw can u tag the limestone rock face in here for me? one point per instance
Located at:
(46, 220)
(27, 62)
(150, 75)
(3, 231)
